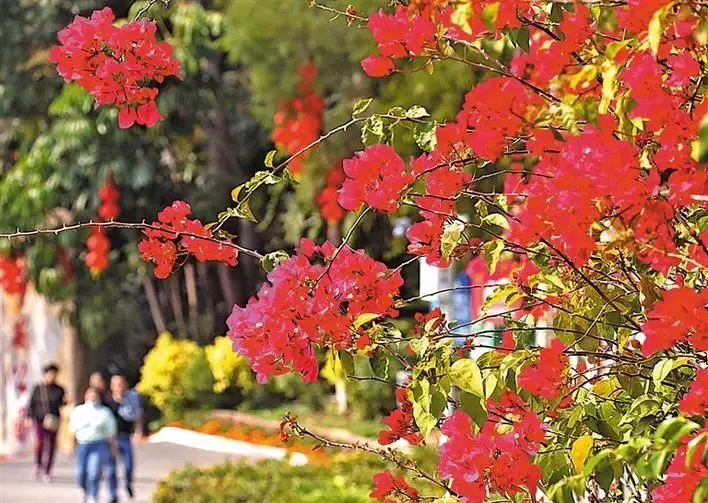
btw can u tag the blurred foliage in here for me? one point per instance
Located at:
(345, 480)
(305, 33)
(228, 367)
(58, 150)
(175, 375)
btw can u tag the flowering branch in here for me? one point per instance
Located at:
(129, 225)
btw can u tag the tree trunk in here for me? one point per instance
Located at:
(227, 287)
(191, 283)
(155, 310)
(205, 291)
(334, 236)
(176, 303)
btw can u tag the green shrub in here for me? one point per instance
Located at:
(175, 374)
(345, 480)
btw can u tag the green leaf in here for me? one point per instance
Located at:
(379, 365)
(656, 28)
(465, 374)
(701, 441)
(450, 238)
(701, 493)
(235, 193)
(657, 462)
(361, 105)
(416, 112)
(609, 81)
(375, 131)
(364, 318)
(474, 407)
(347, 363)
(424, 135)
(491, 252)
(490, 385)
(663, 368)
(597, 460)
(498, 294)
(269, 158)
(497, 219)
(427, 400)
(674, 428)
(270, 260)
(702, 144)
(579, 452)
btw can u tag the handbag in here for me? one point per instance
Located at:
(50, 422)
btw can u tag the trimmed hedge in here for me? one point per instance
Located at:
(347, 479)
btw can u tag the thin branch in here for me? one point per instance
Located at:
(127, 225)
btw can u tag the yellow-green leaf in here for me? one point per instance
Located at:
(663, 368)
(579, 452)
(609, 80)
(364, 318)
(235, 193)
(497, 219)
(656, 28)
(361, 106)
(269, 158)
(450, 238)
(465, 374)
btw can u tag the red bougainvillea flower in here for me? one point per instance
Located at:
(377, 176)
(490, 461)
(117, 65)
(546, 377)
(330, 209)
(682, 479)
(401, 422)
(298, 120)
(311, 299)
(161, 245)
(495, 110)
(378, 66)
(429, 324)
(392, 489)
(614, 184)
(695, 402)
(12, 275)
(681, 315)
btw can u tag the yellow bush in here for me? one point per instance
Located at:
(228, 367)
(174, 373)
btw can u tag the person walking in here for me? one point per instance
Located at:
(43, 411)
(94, 427)
(97, 381)
(126, 408)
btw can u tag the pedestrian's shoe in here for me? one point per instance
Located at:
(114, 500)
(36, 472)
(48, 478)
(129, 490)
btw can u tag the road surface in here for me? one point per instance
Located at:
(153, 462)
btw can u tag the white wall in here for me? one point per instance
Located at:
(23, 366)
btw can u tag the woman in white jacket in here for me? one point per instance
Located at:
(94, 427)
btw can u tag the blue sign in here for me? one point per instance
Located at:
(461, 312)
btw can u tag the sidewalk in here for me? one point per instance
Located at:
(153, 463)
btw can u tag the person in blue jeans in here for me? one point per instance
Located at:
(95, 428)
(126, 408)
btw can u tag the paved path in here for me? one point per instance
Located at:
(153, 462)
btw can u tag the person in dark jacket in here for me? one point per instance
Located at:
(43, 410)
(125, 405)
